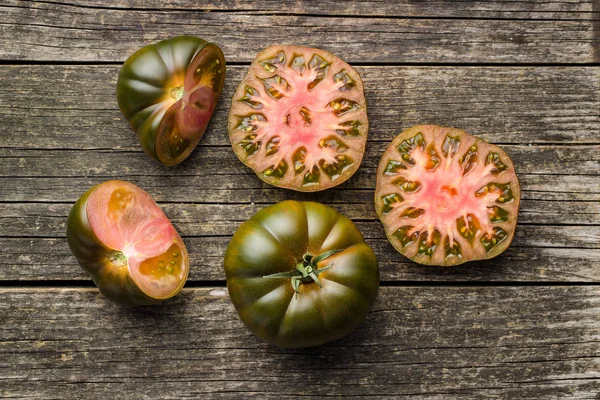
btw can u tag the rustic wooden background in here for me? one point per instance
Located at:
(522, 74)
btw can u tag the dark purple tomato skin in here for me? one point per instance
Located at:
(273, 241)
(168, 92)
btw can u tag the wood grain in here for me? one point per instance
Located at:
(49, 260)
(75, 107)
(30, 220)
(431, 343)
(530, 9)
(36, 247)
(522, 74)
(542, 159)
(61, 32)
(65, 134)
(245, 187)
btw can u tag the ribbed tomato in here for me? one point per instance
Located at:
(168, 92)
(122, 238)
(299, 118)
(300, 274)
(446, 197)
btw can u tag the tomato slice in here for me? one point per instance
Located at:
(126, 219)
(168, 91)
(446, 197)
(299, 118)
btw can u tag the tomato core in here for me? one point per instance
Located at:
(191, 102)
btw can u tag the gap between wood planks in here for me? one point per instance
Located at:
(226, 146)
(75, 284)
(354, 64)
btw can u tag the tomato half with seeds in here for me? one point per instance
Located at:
(168, 92)
(122, 238)
(299, 118)
(300, 274)
(446, 197)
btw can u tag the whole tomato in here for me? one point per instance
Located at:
(121, 237)
(168, 92)
(300, 274)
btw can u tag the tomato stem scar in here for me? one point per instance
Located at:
(177, 93)
(118, 259)
(306, 270)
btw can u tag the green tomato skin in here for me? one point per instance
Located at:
(147, 93)
(273, 241)
(113, 281)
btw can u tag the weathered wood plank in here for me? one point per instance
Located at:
(49, 106)
(62, 132)
(417, 342)
(35, 247)
(61, 32)
(531, 9)
(541, 159)
(49, 174)
(197, 219)
(49, 259)
(244, 187)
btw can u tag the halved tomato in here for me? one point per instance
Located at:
(168, 92)
(446, 197)
(299, 118)
(122, 238)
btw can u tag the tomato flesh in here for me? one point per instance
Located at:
(126, 219)
(446, 197)
(298, 119)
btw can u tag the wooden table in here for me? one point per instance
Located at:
(525, 75)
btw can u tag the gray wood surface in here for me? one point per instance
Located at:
(59, 31)
(507, 105)
(545, 117)
(48, 260)
(521, 74)
(462, 9)
(432, 343)
(554, 252)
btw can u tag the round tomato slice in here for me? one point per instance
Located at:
(168, 92)
(299, 118)
(446, 197)
(124, 240)
(300, 274)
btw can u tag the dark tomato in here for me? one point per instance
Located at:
(446, 197)
(300, 274)
(168, 92)
(299, 118)
(122, 238)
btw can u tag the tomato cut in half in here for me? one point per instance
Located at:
(168, 92)
(446, 197)
(299, 118)
(121, 237)
(300, 274)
